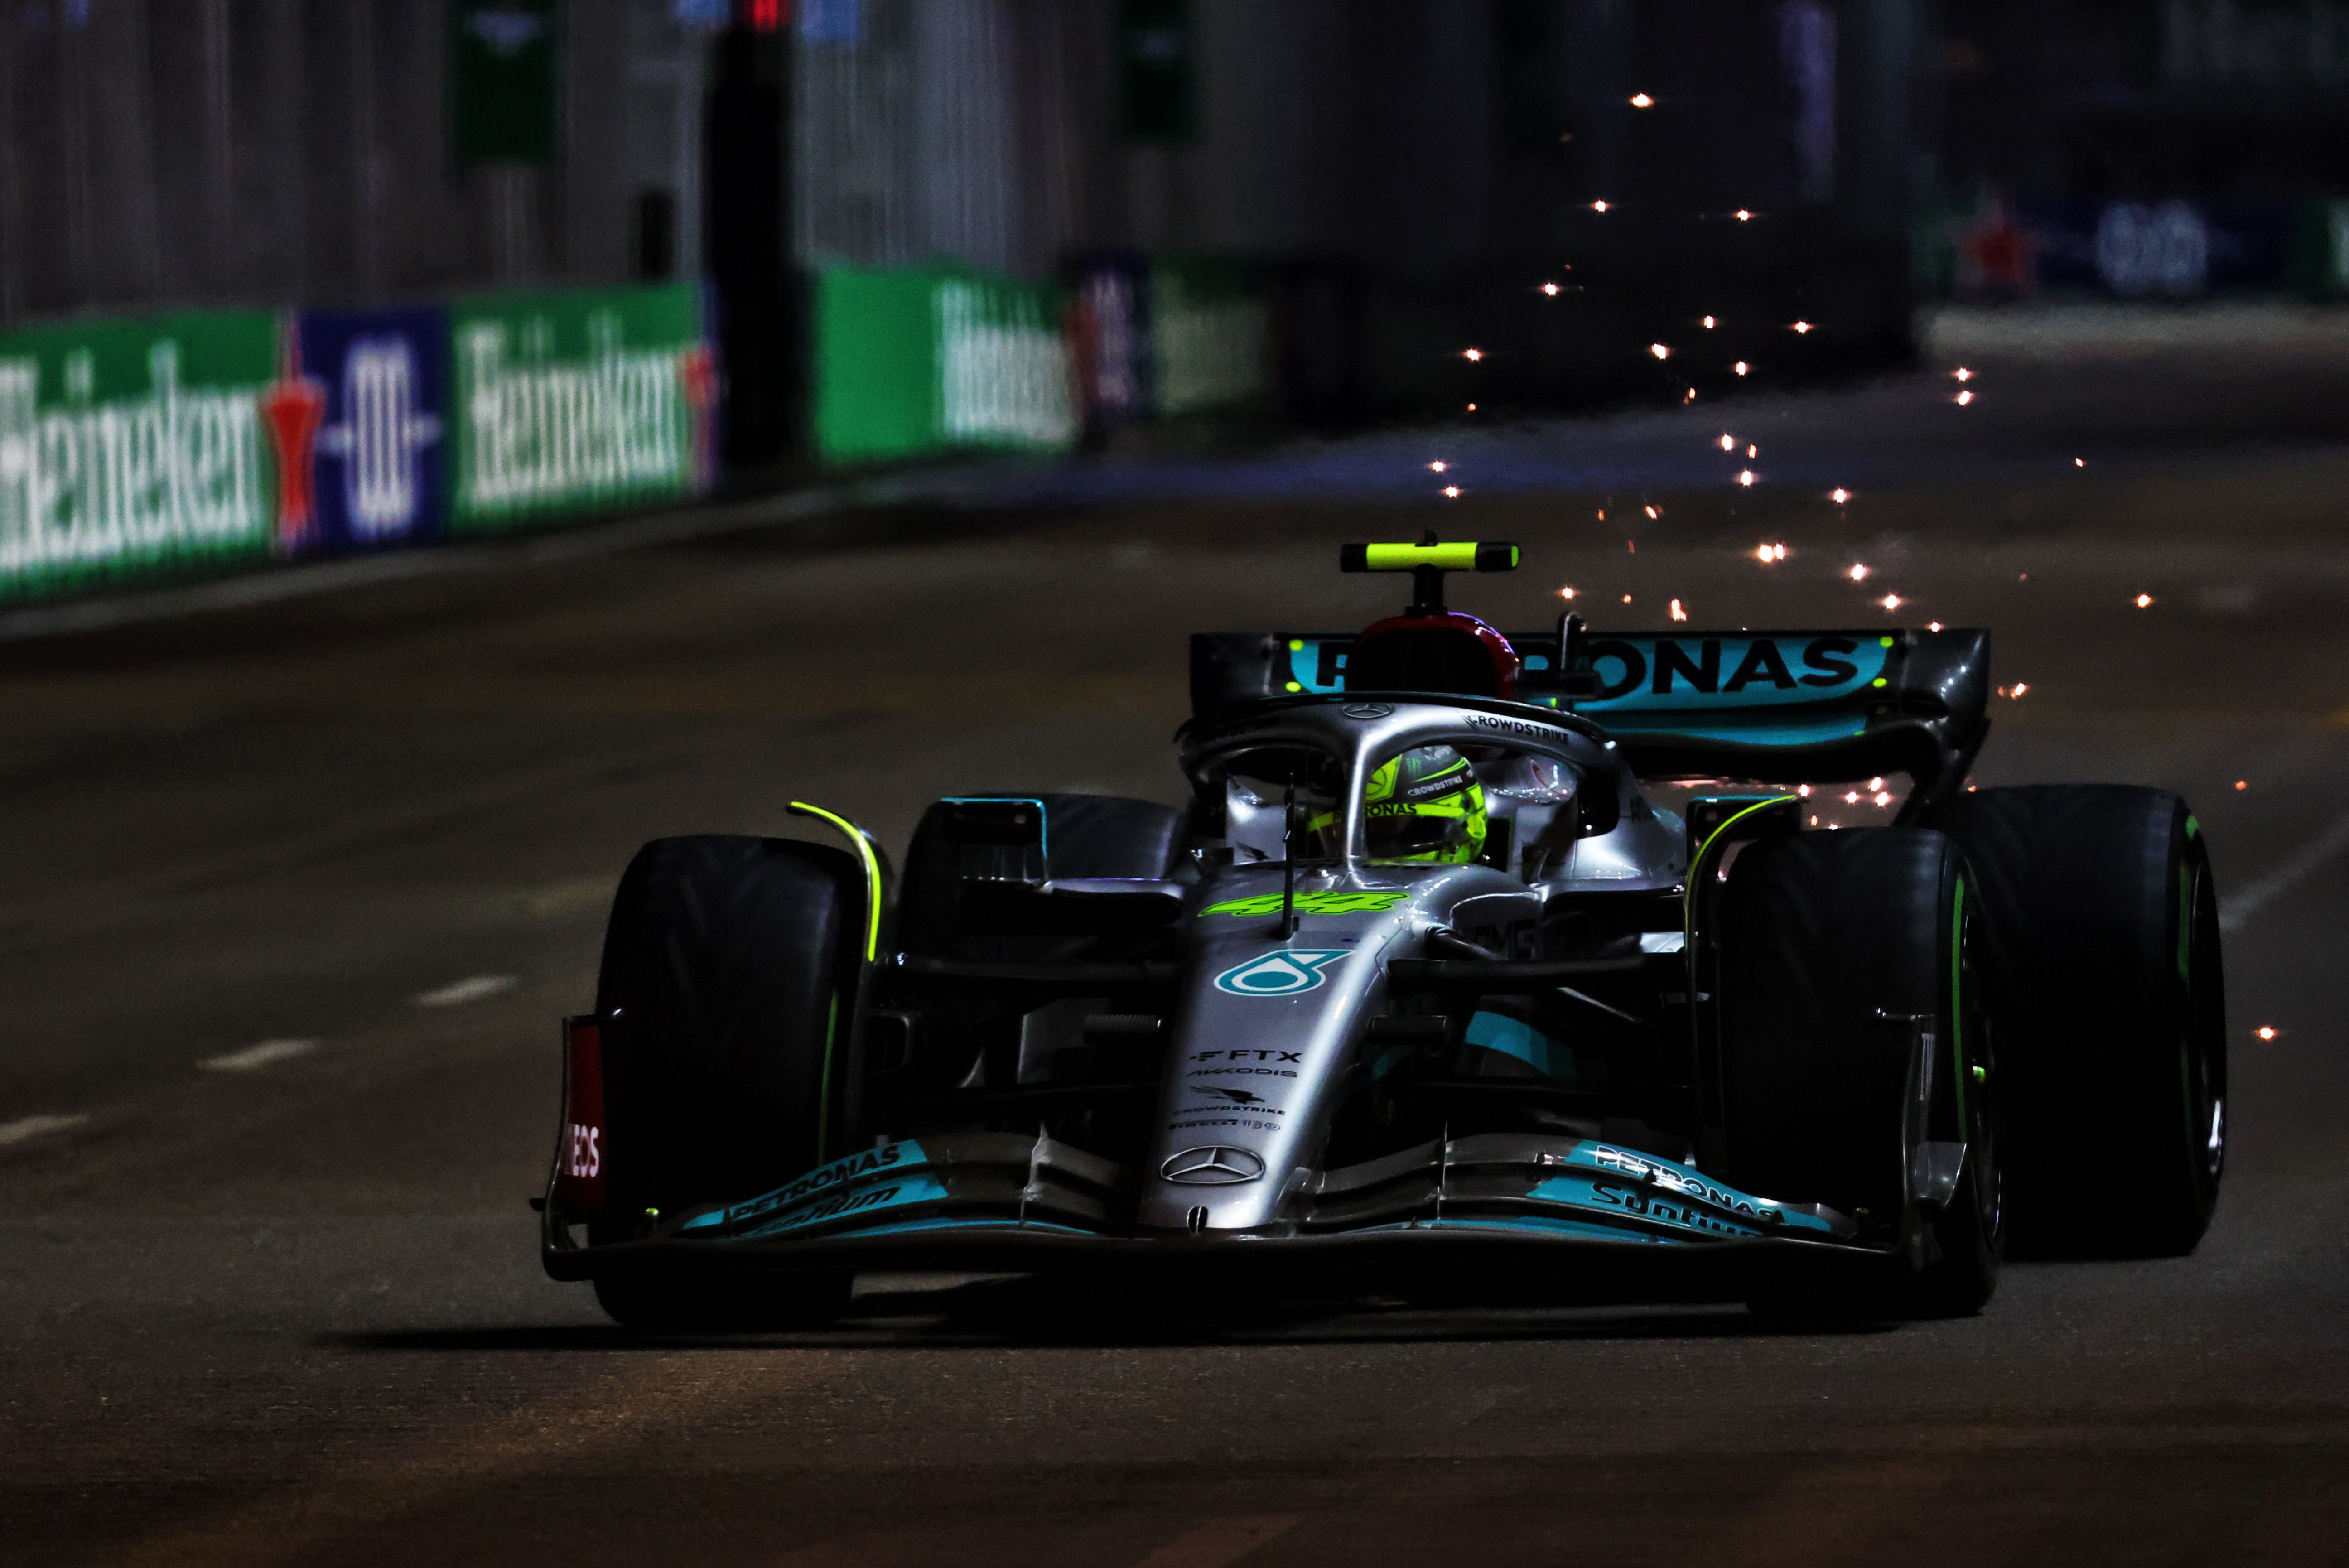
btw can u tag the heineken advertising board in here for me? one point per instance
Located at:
(131, 447)
(573, 401)
(926, 360)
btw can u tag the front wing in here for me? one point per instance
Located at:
(1004, 1202)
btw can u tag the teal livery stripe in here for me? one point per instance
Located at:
(798, 1201)
(1730, 730)
(859, 1201)
(1499, 1033)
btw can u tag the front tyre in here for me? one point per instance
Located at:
(1853, 1056)
(2104, 972)
(727, 994)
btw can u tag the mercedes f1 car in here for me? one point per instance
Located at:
(1540, 960)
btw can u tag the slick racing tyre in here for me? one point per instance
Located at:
(727, 983)
(2104, 971)
(1853, 1052)
(1086, 836)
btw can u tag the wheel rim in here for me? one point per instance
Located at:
(2202, 1052)
(1976, 1073)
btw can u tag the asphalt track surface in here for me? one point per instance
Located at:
(352, 850)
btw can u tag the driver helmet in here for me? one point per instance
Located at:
(1424, 804)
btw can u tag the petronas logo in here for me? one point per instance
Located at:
(1287, 972)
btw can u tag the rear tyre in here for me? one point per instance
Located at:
(2104, 969)
(1086, 836)
(1849, 1037)
(728, 985)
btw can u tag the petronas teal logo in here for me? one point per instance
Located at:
(1287, 972)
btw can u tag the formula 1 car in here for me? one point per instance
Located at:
(1475, 960)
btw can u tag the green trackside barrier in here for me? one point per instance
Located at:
(916, 361)
(577, 401)
(1210, 334)
(135, 447)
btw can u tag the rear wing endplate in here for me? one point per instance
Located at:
(1770, 706)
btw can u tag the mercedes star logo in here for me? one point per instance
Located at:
(1216, 1165)
(1367, 710)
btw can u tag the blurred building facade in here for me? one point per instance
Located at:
(180, 152)
(2162, 149)
(1420, 166)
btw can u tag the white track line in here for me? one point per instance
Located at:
(300, 581)
(473, 987)
(261, 1055)
(25, 1128)
(2295, 869)
(1214, 1545)
(36, 1128)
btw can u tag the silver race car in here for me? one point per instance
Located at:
(1565, 966)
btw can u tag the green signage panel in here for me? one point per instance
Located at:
(577, 401)
(928, 361)
(1210, 334)
(876, 366)
(129, 448)
(504, 81)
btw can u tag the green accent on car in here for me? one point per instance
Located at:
(1696, 864)
(1956, 1008)
(1330, 902)
(1883, 642)
(873, 890)
(2186, 926)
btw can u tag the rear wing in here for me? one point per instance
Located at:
(1774, 707)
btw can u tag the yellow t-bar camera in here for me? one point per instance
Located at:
(1427, 561)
